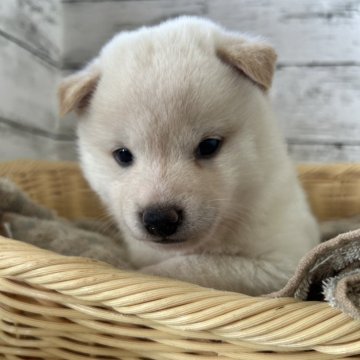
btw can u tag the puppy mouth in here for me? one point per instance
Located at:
(167, 241)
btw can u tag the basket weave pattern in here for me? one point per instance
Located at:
(56, 307)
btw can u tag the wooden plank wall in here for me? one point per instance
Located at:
(316, 92)
(30, 58)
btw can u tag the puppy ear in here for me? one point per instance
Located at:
(255, 59)
(76, 90)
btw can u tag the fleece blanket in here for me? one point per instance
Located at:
(329, 272)
(22, 219)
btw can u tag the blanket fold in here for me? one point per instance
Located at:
(330, 272)
(24, 220)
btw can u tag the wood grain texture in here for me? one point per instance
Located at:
(103, 19)
(319, 153)
(19, 144)
(303, 32)
(34, 25)
(28, 88)
(30, 52)
(319, 103)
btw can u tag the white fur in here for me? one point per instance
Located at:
(162, 90)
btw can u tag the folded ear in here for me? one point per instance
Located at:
(255, 59)
(76, 90)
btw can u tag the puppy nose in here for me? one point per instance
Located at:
(161, 221)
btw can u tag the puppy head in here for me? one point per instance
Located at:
(173, 126)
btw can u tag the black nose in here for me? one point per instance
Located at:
(161, 221)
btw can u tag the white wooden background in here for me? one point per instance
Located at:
(316, 91)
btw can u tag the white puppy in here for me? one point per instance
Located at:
(177, 136)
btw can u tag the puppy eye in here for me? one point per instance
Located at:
(123, 157)
(207, 148)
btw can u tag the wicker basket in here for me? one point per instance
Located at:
(56, 307)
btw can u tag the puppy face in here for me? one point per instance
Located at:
(169, 132)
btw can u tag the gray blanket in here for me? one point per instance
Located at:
(330, 272)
